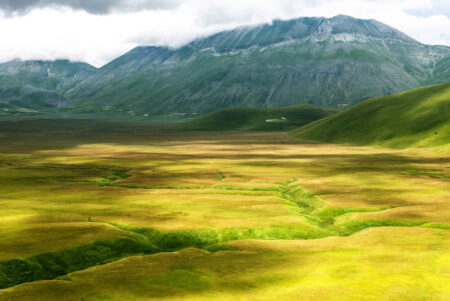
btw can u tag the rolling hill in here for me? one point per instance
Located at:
(249, 119)
(416, 118)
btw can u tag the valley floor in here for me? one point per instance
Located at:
(101, 211)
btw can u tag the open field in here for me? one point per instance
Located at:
(106, 211)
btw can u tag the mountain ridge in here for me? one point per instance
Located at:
(317, 27)
(264, 66)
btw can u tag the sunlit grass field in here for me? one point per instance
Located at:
(107, 211)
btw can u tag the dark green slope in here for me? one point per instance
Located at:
(416, 118)
(318, 61)
(248, 119)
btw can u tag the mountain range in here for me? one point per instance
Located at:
(328, 62)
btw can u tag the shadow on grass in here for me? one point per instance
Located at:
(143, 241)
(149, 241)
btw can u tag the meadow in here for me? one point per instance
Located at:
(94, 210)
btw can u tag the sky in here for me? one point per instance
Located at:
(97, 31)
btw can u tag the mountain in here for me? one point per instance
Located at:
(416, 118)
(249, 119)
(29, 85)
(338, 61)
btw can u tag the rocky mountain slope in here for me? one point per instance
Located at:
(325, 62)
(29, 85)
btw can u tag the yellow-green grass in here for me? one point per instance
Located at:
(416, 118)
(108, 196)
(378, 264)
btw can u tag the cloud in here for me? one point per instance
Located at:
(431, 8)
(91, 6)
(94, 33)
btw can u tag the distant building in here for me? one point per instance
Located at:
(343, 105)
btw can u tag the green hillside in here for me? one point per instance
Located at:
(416, 118)
(248, 119)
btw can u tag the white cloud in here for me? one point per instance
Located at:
(64, 32)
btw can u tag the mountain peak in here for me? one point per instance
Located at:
(343, 17)
(295, 29)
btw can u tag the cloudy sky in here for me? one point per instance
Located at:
(97, 31)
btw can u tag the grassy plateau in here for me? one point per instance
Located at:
(93, 210)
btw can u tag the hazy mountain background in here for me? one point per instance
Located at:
(325, 62)
(32, 85)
